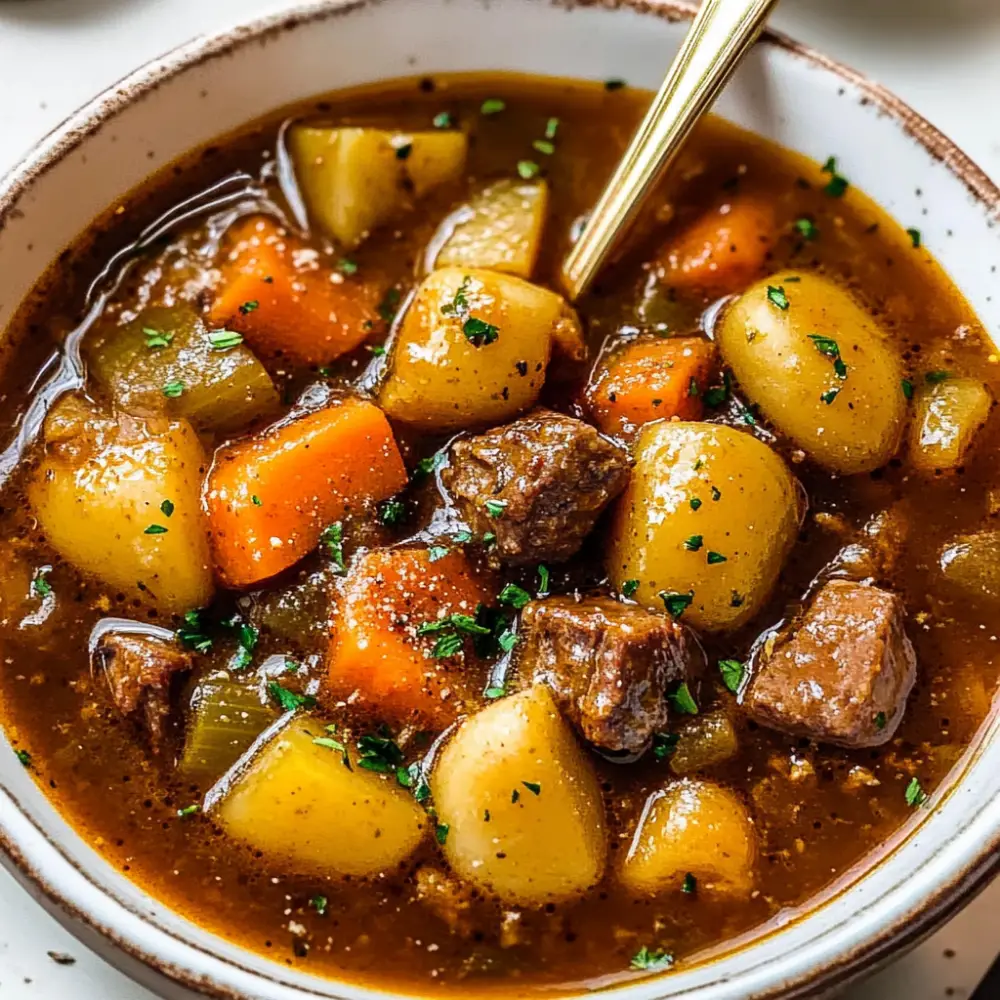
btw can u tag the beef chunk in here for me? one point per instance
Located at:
(610, 666)
(538, 484)
(140, 670)
(839, 674)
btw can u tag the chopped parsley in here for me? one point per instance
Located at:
(156, 339)
(646, 960)
(443, 119)
(915, 238)
(478, 332)
(829, 396)
(492, 106)
(494, 692)
(880, 720)
(429, 465)
(676, 604)
(377, 349)
(436, 552)
(333, 539)
(188, 811)
(664, 744)
(289, 701)
(829, 348)
(716, 395)
(155, 529)
(24, 757)
(391, 512)
(441, 833)
(732, 674)
(173, 390)
(694, 390)
(937, 377)
(247, 637)
(543, 580)
(695, 503)
(551, 127)
(451, 631)
(777, 297)
(681, 700)
(693, 543)
(495, 508)
(689, 885)
(507, 640)
(347, 266)
(256, 501)
(736, 601)
(533, 786)
(378, 752)
(907, 388)
(807, 229)
(319, 904)
(714, 558)
(716, 493)
(167, 508)
(544, 146)
(413, 777)
(225, 340)
(39, 585)
(615, 83)
(515, 797)
(193, 633)
(514, 596)
(629, 587)
(389, 305)
(248, 307)
(403, 149)
(837, 185)
(914, 794)
(527, 169)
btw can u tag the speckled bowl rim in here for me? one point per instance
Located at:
(907, 927)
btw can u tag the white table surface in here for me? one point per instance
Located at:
(943, 56)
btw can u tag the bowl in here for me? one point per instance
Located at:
(790, 94)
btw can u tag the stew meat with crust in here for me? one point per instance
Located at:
(444, 635)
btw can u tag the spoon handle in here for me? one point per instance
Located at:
(722, 33)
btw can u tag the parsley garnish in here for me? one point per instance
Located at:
(436, 552)
(319, 904)
(443, 119)
(880, 720)
(156, 338)
(629, 587)
(333, 539)
(451, 631)
(379, 753)
(693, 543)
(689, 885)
(224, 340)
(478, 332)
(494, 692)
(716, 493)
(937, 377)
(664, 744)
(651, 961)
(495, 508)
(714, 558)
(192, 633)
(807, 228)
(681, 700)
(914, 794)
(615, 83)
(188, 811)
(777, 297)
(347, 266)
(543, 580)
(533, 786)
(732, 674)
(907, 388)
(676, 604)
(551, 127)
(492, 106)
(391, 512)
(441, 833)
(829, 348)
(736, 601)
(39, 585)
(429, 465)
(544, 147)
(248, 307)
(515, 797)
(915, 237)
(389, 304)
(167, 507)
(527, 169)
(403, 150)
(829, 396)
(837, 185)
(515, 596)
(24, 757)
(155, 529)
(256, 501)
(695, 503)
(173, 390)
(289, 701)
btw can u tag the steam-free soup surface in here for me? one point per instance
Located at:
(445, 637)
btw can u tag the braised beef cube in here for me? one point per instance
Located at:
(839, 674)
(140, 670)
(538, 484)
(610, 666)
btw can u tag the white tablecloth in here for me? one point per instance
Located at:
(943, 56)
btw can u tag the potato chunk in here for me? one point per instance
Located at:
(299, 804)
(692, 827)
(705, 524)
(355, 179)
(472, 350)
(522, 803)
(500, 229)
(120, 500)
(820, 368)
(947, 418)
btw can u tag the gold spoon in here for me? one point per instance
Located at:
(722, 33)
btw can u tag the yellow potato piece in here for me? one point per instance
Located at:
(440, 379)
(500, 229)
(300, 805)
(691, 827)
(946, 420)
(99, 495)
(786, 360)
(522, 803)
(710, 513)
(355, 179)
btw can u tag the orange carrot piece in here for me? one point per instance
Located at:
(286, 306)
(651, 380)
(721, 251)
(377, 657)
(269, 497)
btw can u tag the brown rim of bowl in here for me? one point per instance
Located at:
(906, 930)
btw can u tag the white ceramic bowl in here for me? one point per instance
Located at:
(784, 92)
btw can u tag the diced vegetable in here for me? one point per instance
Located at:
(500, 229)
(705, 524)
(720, 251)
(227, 715)
(697, 828)
(287, 304)
(820, 368)
(383, 647)
(971, 566)
(301, 805)
(222, 391)
(947, 417)
(472, 350)
(521, 802)
(270, 497)
(355, 179)
(704, 740)
(650, 380)
(99, 496)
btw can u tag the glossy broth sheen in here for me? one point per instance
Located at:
(815, 818)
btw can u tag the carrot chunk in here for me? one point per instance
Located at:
(651, 380)
(377, 654)
(269, 497)
(284, 303)
(721, 251)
